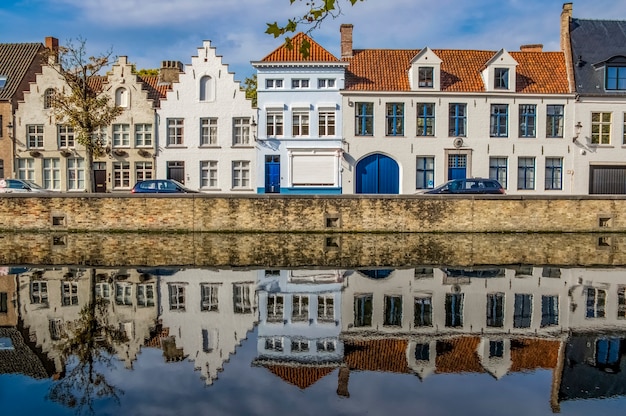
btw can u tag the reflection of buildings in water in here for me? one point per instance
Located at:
(299, 323)
(206, 315)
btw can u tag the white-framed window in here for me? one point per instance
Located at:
(143, 135)
(123, 293)
(299, 345)
(298, 83)
(326, 123)
(300, 123)
(121, 97)
(26, 168)
(175, 131)
(274, 120)
(208, 173)
(143, 171)
(274, 344)
(501, 78)
(75, 173)
(624, 130)
(596, 303)
(326, 83)
(208, 131)
(242, 297)
(273, 83)
(35, 136)
(121, 175)
(207, 88)
(103, 290)
(121, 135)
(176, 296)
(241, 131)
(52, 173)
(275, 307)
(300, 308)
(326, 308)
(326, 345)
(145, 295)
(69, 294)
(426, 76)
(425, 172)
(39, 292)
(209, 301)
(48, 96)
(65, 136)
(241, 174)
(601, 128)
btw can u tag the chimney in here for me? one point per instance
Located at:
(52, 44)
(346, 40)
(531, 48)
(170, 70)
(566, 45)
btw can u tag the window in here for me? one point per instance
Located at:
(325, 308)
(554, 173)
(103, 290)
(52, 173)
(596, 303)
(616, 77)
(300, 308)
(3, 81)
(123, 294)
(601, 128)
(422, 352)
(426, 76)
(65, 135)
(145, 295)
(209, 301)
(554, 121)
(425, 172)
(242, 301)
(143, 135)
(274, 344)
(496, 349)
(206, 89)
(527, 120)
(499, 120)
(623, 130)
(275, 307)
(364, 119)
(208, 340)
(363, 310)
(208, 131)
(208, 174)
(526, 173)
(425, 119)
(549, 311)
(121, 175)
(35, 136)
(176, 296)
(273, 83)
(621, 302)
(143, 171)
(501, 78)
(498, 169)
(326, 345)
(48, 96)
(300, 123)
(274, 123)
(299, 83)
(423, 313)
(327, 123)
(121, 135)
(299, 345)
(70, 294)
(457, 121)
(175, 131)
(395, 119)
(522, 314)
(121, 97)
(393, 311)
(241, 131)
(75, 174)
(495, 310)
(326, 83)
(241, 174)
(26, 168)
(454, 310)
(39, 292)
(1, 168)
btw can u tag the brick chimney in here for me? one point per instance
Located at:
(566, 45)
(346, 40)
(531, 48)
(52, 44)
(170, 70)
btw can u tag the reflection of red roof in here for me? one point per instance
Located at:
(377, 355)
(458, 356)
(300, 376)
(530, 354)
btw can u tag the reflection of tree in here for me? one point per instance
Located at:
(88, 344)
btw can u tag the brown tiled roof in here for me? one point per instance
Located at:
(285, 54)
(530, 354)
(300, 376)
(458, 356)
(387, 355)
(387, 70)
(15, 61)
(156, 91)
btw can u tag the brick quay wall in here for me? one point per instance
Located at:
(315, 214)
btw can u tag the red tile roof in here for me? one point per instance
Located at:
(387, 355)
(285, 54)
(387, 70)
(300, 376)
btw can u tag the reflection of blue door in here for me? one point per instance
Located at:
(457, 167)
(272, 174)
(377, 174)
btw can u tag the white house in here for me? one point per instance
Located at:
(300, 116)
(205, 128)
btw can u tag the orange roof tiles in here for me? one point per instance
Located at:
(285, 54)
(301, 377)
(458, 356)
(387, 70)
(530, 354)
(387, 355)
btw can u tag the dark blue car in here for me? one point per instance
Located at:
(469, 186)
(161, 186)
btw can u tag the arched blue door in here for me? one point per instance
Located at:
(377, 174)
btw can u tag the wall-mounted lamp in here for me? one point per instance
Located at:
(578, 127)
(253, 125)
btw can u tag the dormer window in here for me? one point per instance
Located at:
(616, 78)
(3, 81)
(426, 76)
(501, 78)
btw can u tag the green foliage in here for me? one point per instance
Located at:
(145, 72)
(250, 87)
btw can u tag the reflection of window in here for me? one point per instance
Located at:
(393, 310)
(241, 298)
(208, 340)
(495, 310)
(549, 310)
(70, 293)
(596, 302)
(363, 310)
(422, 352)
(326, 308)
(103, 290)
(274, 344)
(55, 327)
(209, 297)
(298, 345)
(496, 349)
(326, 345)
(621, 302)
(145, 295)
(454, 310)
(300, 308)
(39, 292)
(423, 311)
(4, 302)
(275, 304)
(608, 352)
(523, 310)
(177, 296)
(123, 293)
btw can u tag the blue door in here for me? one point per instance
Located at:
(457, 167)
(377, 174)
(272, 174)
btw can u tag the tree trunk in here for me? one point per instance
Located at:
(89, 180)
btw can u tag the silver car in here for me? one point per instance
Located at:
(20, 185)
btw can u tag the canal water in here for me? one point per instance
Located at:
(542, 332)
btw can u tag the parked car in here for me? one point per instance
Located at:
(469, 186)
(20, 185)
(161, 186)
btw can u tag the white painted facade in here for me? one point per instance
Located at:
(205, 129)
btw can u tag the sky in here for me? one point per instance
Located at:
(151, 31)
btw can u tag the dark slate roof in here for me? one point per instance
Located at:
(595, 42)
(15, 60)
(21, 359)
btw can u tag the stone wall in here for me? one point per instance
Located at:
(271, 213)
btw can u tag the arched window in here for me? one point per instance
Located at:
(48, 95)
(207, 92)
(121, 97)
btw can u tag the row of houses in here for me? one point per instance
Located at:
(373, 121)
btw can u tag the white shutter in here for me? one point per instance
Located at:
(317, 170)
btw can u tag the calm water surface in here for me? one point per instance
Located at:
(431, 339)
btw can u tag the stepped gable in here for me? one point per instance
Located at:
(388, 355)
(300, 376)
(285, 54)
